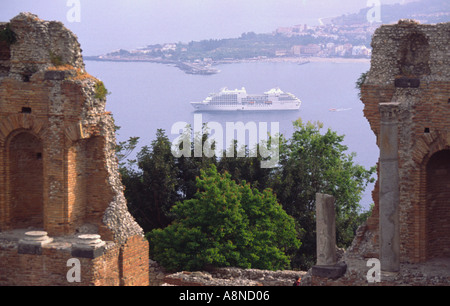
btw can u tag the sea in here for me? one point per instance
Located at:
(148, 96)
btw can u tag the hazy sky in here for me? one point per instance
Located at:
(106, 25)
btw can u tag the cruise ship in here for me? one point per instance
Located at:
(239, 100)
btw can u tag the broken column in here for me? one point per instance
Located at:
(325, 229)
(88, 246)
(389, 188)
(327, 265)
(32, 242)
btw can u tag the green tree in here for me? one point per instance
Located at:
(312, 162)
(152, 189)
(246, 168)
(225, 224)
(359, 83)
(189, 166)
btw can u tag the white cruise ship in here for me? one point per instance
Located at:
(239, 100)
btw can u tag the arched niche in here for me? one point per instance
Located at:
(25, 181)
(438, 205)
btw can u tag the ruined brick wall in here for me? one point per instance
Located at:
(5, 54)
(437, 208)
(50, 268)
(410, 65)
(134, 262)
(58, 169)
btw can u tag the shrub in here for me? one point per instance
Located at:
(56, 60)
(225, 224)
(100, 90)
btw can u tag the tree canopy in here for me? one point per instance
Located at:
(312, 162)
(225, 197)
(225, 224)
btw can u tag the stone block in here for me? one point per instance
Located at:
(88, 246)
(27, 248)
(330, 271)
(407, 83)
(32, 242)
(53, 75)
(87, 252)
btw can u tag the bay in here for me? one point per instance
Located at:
(148, 96)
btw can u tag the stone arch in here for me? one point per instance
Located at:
(438, 205)
(74, 132)
(10, 127)
(428, 144)
(426, 156)
(25, 180)
(21, 121)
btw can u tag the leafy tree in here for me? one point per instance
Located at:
(225, 224)
(247, 168)
(311, 162)
(360, 82)
(124, 149)
(189, 166)
(153, 188)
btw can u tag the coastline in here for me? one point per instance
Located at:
(339, 60)
(192, 68)
(298, 60)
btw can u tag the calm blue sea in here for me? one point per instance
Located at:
(148, 96)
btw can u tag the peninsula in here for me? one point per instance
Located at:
(343, 38)
(300, 44)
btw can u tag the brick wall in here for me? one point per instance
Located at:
(410, 65)
(437, 209)
(134, 259)
(26, 180)
(58, 168)
(76, 185)
(423, 131)
(119, 265)
(5, 55)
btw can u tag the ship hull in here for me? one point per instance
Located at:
(238, 100)
(198, 106)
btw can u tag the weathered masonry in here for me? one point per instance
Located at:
(406, 95)
(60, 192)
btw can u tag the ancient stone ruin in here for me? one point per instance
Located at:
(406, 95)
(61, 196)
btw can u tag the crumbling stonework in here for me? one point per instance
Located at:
(409, 71)
(233, 277)
(58, 169)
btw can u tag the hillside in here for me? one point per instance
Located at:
(424, 11)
